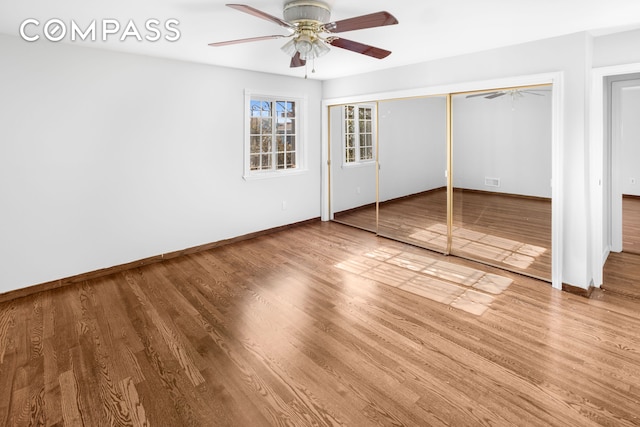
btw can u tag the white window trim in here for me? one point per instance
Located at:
(360, 163)
(301, 135)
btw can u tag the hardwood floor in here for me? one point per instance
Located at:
(631, 224)
(507, 231)
(622, 274)
(286, 329)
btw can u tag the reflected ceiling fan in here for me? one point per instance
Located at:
(515, 93)
(311, 32)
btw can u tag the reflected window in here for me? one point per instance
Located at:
(358, 134)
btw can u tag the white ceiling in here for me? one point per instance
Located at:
(428, 29)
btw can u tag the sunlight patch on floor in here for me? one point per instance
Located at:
(481, 245)
(458, 286)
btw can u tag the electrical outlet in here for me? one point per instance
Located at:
(632, 181)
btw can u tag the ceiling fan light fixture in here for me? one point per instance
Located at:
(319, 48)
(289, 48)
(304, 44)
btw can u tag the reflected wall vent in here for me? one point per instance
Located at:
(491, 182)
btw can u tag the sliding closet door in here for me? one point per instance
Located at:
(412, 171)
(502, 179)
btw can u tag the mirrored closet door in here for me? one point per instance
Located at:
(502, 178)
(390, 161)
(412, 171)
(353, 182)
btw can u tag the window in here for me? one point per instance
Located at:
(358, 134)
(274, 137)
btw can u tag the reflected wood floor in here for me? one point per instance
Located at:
(503, 230)
(270, 331)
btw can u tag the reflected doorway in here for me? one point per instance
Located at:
(624, 169)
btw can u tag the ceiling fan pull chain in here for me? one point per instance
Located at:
(313, 70)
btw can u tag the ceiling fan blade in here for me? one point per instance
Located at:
(532, 92)
(496, 95)
(378, 19)
(250, 39)
(364, 49)
(260, 14)
(481, 94)
(296, 61)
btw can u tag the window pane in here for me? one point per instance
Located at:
(260, 108)
(367, 113)
(254, 125)
(350, 141)
(266, 125)
(280, 161)
(368, 126)
(266, 144)
(350, 155)
(266, 161)
(366, 153)
(350, 128)
(255, 162)
(290, 161)
(348, 112)
(255, 144)
(291, 143)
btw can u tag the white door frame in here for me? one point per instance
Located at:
(597, 146)
(557, 143)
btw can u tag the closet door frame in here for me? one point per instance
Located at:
(557, 93)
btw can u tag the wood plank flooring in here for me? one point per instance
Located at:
(275, 331)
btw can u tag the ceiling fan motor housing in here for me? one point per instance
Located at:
(302, 11)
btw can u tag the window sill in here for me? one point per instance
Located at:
(273, 174)
(358, 165)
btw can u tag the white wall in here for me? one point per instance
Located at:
(617, 49)
(570, 55)
(107, 158)
(413, 146)
(506, 138)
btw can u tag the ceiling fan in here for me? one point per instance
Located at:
(311, 32)
(515, 93)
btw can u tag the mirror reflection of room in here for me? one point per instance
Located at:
(502, 178)
(627, 134)
(353, 164)
(412, 171)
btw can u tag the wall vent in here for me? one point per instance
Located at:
(491, 182)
